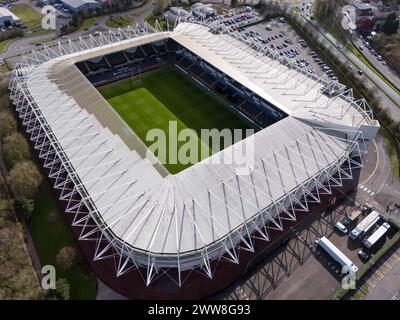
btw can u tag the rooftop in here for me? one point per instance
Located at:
(79, 3)
(4, 12)
(207, 208)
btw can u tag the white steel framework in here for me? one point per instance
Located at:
(186, 225)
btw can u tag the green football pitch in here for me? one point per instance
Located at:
(155, 98)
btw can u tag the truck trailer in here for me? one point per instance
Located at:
(337, 255)
(377, 235)
(366, 224)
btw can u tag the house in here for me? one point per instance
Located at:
(80, 5)
(364, 9)
(7, 18)
(175, 13)
(203, 10)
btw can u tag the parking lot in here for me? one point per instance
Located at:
(278, 35)
(300, 269)
(235, 19)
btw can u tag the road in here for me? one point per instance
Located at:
(387, 285)
(386, 70)
(377, 183)
(26, 44)
(390, 98)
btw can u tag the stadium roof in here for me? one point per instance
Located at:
(79, 3)
(201, 213)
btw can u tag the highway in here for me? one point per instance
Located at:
(389, 98)
(393, 103)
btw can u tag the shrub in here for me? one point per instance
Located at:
(24, 207)
(15, 149)
(61, 292)
(8, 124)
(25, 179)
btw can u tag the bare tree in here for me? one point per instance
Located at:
(66, 257)
(25, 179)
(15, 149)
(8, 124)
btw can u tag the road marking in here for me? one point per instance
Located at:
(387, 176)
(376, 165)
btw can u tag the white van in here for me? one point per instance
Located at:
(340, 226)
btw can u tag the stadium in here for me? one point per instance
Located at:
(149, 230)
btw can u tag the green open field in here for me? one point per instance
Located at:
(119, 22)
(31, 18)
(167, 94)
(50, 232)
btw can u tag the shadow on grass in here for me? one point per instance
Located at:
(50, 232)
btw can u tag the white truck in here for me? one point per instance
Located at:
(337, 255)
(378, 234)
(366, 224)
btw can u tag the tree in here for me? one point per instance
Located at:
(4, 101)
(24, 207)
(66, 257)
(391, 24)
(25, 179)
(8, 124)
(61, 292)
(15, 149)
(160, 6)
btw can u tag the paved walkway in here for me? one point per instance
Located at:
(106, 293)
(382, 282)
(388, 279)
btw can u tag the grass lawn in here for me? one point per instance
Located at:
(164, 95)
(394, 157)
(5, 43)
(50, 232)
(151, 20)
(88, 23)
(119, 22)
(31, 18)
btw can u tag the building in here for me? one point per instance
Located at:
(203, 10)
(7, 18)
(80, 5)
(175, 13)
(150, 234)
(364, 9)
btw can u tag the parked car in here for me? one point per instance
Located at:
(341, 227)
(363, 255)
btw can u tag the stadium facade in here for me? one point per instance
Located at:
(147, 233)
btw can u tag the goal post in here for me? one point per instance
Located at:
(136, 79)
